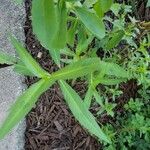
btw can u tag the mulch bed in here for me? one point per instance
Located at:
(50, 125)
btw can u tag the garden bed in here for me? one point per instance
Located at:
(50, 124)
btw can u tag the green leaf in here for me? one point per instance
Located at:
(22, 69)
(71, 33)
(108, 81)
(27, 59)
(113, 69)
(7, 59)
(23, 105)
(60, 38)
(81, 113)
(44, 21)
(115, 8)
(91, 21)
(67, 51)
(102, 6)
(82, 46)
(89, 3)
(88, 97)
(77, 69)
(45, 25)
(148, 3)
(115, 39)
(98, 98)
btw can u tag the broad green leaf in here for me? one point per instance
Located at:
(60, 38)
(78, 69)
(23, 105)
(115, 39)
(44, 21)
(7, 59)
(45, 25)
(102, 6)
(27, 59)
(81, 113)
(91, 21)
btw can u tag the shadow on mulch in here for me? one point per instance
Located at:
(50, 125)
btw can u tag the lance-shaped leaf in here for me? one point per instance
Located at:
(114, 39)
(45, 25)
(23, 105)
(7, 59)
(113, 69)
(108, 81)
(91, 21)
(81, 113)
(78, 69)
(102, 6)
(88, 97)
(28, 61)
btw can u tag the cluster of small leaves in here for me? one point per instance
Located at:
(80, 30)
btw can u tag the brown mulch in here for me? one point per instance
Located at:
(50, 125)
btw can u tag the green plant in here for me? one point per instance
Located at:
(59, 23)
(49, 20)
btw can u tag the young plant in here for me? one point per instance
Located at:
(50, 22)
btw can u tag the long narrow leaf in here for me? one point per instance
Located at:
(27, 59)
(78, 69)
(23, 105)
(81, 113)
